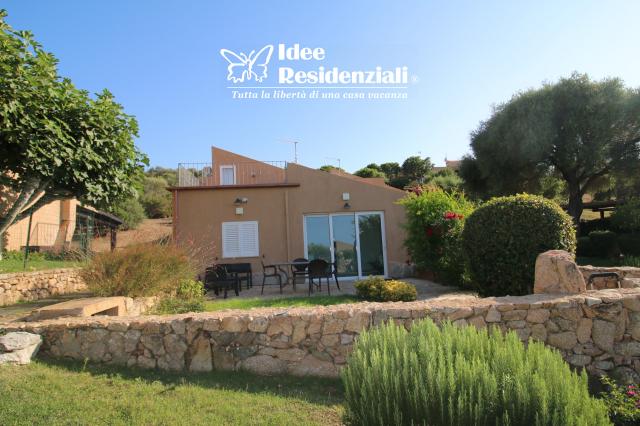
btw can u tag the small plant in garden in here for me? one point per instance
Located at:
(633, 261)
(627, 216)
(462, 376)
(623, 402)
(377, 289)
(435, 220)
(503, 238)
(139, 270)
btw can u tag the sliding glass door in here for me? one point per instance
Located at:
(371, 244)
(355, 241)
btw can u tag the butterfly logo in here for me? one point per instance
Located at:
(246, 67)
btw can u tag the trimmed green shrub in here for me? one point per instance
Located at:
(462, 376)
(627, 216)
(629, 244)
(435, 220)
(377, 289)
(604, 244)
(503, 238)
(189, 297)
(138, 270)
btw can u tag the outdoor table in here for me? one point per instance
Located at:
(285, 267)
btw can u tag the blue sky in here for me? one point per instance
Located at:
(161, 60)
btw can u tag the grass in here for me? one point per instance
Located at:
(284, 302)
(55, 393)
(16, 265)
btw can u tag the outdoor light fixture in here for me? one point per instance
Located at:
(345, 196)
(347, 205)
(239, 211)
(241, 200)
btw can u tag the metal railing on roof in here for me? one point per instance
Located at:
(238, 173)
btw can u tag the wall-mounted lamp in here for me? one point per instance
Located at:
(241, 200)
(346, 196)
(347, 205)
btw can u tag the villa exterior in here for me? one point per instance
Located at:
(249, 211)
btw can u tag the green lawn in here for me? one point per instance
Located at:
(16, 265)
(284, 302)
(56, 393)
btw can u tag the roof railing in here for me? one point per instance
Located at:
(231, 173)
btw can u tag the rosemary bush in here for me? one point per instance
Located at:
(462, 376)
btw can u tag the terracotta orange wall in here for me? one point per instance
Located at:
(321, 192)
(248, 171)
(52, 226)
(200, 212)
(279, 212)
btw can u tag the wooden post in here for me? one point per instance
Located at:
(114, 234)
(26, 247)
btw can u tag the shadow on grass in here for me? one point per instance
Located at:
(323, 391)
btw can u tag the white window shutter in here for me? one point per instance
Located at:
(240, 239)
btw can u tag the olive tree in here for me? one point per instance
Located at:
(581, 131)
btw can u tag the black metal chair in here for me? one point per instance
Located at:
(216, 278)
(334, 272)
(270, 271)
(242, 271)
(301, 270)
(319, 269)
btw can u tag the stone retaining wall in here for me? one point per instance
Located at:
(602, 283)
(16, 287)
(598, 330)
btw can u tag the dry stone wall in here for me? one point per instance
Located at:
(598, 330)
(628, 276)
(24, 286)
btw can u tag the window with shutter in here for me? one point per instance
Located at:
(240, 239)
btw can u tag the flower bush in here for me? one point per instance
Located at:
(623, 402)
(435, 220)
(462, 376)
(377, 289)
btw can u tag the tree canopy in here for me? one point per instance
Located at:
(578, 131)
(57, 141)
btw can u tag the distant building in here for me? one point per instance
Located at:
(62, 225)
(449, 164)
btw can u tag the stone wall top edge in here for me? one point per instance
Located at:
(10, 275)
(445, 306)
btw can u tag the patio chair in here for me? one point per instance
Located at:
(334, 272)
(319, 269)
(216, 279)
(270, 271)
(301, 270)
(242, 271)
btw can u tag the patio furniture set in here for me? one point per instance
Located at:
(230, 276)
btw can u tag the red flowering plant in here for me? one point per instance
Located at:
(435, 220)
(622, 401)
